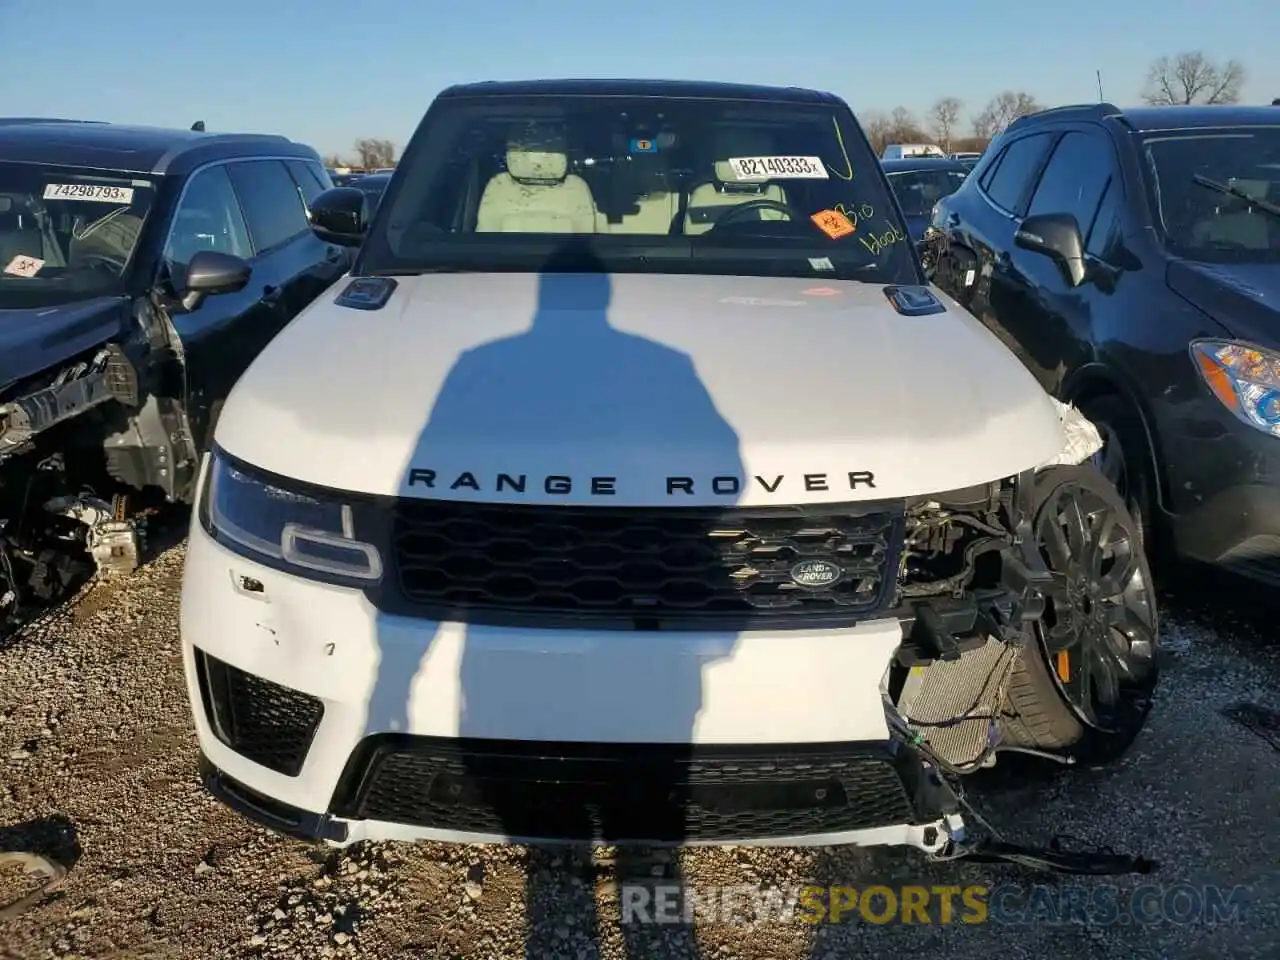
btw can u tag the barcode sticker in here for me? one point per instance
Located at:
(778, 168)
(93, 192)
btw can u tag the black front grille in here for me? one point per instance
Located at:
(626, 792)
(260, 720)
(670, 567)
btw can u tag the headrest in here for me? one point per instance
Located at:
(738, 142)
(536, 165)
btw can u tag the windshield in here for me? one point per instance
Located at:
(1186, 171)
(67, 233)
(919, 190)
(658, 185)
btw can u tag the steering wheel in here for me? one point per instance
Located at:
(762, 204)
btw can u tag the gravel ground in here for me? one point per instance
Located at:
(97, 769)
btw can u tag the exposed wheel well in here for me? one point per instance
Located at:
(1094, 385)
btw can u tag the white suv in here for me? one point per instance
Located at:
(636, 486)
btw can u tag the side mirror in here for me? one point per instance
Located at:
(337, 216)
(211, 272)
(1056, 236)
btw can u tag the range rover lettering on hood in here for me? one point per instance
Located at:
(559, 483)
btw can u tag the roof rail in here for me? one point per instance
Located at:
(15, 121)
(1082, 111)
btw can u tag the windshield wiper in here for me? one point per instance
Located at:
(1231, 191)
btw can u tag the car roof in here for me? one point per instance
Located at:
(683, 89)
(1177, 118)
(154, 150)
(922, 163)
(1150, 119)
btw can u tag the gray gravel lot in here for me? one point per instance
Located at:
(97, 768)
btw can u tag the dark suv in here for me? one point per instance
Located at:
(141, 272)
(1132, 260)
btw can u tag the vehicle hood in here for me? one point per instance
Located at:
(758, 390)
(38, 339)
(1244, 298)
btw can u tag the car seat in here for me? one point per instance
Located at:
(20, 235)
(1235, 222)
(708, 200)
(536, 193)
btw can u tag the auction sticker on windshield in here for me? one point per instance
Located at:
(778, 168)
(21, 266)
(94, 192)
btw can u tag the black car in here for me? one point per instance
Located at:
(372, 185)
(1132, 259)
(141, 271)
(919, 183)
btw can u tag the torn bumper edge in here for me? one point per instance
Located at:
(1081, 439)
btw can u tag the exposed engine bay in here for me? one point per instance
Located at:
(86, 456)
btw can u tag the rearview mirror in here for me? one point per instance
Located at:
(337, 216)
(1056, 236)
(211, 272)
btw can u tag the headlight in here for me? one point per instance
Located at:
(1245, 378)
(302, 532)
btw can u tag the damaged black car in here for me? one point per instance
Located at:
(141, 272)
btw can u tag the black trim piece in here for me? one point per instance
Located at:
(281, 817)
(367, 293)
(718, 599)
(619, 792)
(914, 301)
(264, 722)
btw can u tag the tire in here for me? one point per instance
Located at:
(1061, 717)
(1123, 460)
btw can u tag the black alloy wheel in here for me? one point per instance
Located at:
(1099, 631)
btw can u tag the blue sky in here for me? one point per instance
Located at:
(327, 71)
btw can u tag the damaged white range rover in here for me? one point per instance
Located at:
(636, 487)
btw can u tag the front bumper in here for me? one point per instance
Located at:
(322, 717)
(1224, 481)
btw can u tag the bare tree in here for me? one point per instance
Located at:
(333, 161)
(904, 127)
(1191, 77)
(1001, 110)
(943, 117)
(374, 153)
(879, 129)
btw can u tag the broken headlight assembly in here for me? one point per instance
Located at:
(288, 526)
(1244, 378)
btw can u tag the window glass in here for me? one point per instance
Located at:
(1216, 192)
(1017, 167)
(271, 203)
(1107, 219)
(67, 233)
(1074, 179)
(656, 184)
(208, 218)
(307, 179)
(919, 190)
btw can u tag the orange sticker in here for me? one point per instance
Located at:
(821, 292)
(833, 223)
